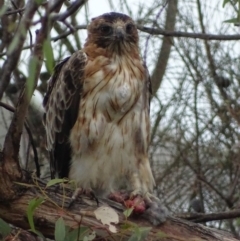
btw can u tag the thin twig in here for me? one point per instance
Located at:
(179, 34)
(55, 6)
(19, 10)
(201, 217)
(71, 10)
(34, 148)
(64, 35)
(61, 36)
(233, 188)
(13, 56)
(20, 14)
(150, 34)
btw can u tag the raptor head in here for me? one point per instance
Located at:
(113, 30)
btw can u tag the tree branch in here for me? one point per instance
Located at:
(179, 34)
(34, 148)
(82, 215)
(154, 31)
(19, 10)
(10, 164)
(75, 6)
(202, 217)
(14, 52)
(165, 50)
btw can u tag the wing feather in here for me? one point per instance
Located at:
(147, 91)
(61, 104)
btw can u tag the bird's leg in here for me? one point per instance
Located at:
(155, 211)
(81, 191)
(143, 202)
(119, 196)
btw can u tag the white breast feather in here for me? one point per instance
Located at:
(104, 151)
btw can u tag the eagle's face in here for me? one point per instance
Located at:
(113, 30)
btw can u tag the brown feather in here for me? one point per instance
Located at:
(62, 104)
(97, 110)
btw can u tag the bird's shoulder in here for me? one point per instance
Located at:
(65, 73)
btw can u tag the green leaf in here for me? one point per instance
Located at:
(90, 237)
(48, 53)
(5, 229)
(232, 20)
(77, 234)
(161, 234)
(237, 221)
(225, 2)
(55, 181)
(134, 237)
(13, 44)
(3, 10)
(143, 232)
(32, 68)
(38, 234)
(39, 1)
(140, 234)
(60, 230)
(128, 212)
(127, 225)
(33, 204)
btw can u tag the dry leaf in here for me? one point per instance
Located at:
(107, 216)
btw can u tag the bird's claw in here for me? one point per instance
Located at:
(81, 191)
(156, 212)
(148, 205)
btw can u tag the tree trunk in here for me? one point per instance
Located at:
(164, 53)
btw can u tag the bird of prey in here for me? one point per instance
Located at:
(97, 111)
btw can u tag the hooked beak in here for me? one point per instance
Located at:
(119, 34)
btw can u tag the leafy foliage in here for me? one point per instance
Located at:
(55, 181)
(237, 19)
(140, 234)
(32, 68)
(60, 230)
(5, 228)
(33, 204)
(48, 53)
(128, 212)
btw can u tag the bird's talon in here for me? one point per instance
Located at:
(156, 212)
(80, 191)
(119, 196)
(149, 206)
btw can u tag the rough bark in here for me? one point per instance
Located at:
(82, 214)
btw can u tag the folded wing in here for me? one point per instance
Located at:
(61, 104)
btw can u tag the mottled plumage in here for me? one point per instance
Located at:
(97, 111)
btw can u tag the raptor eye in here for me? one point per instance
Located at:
(106, 29)
(129, 28)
